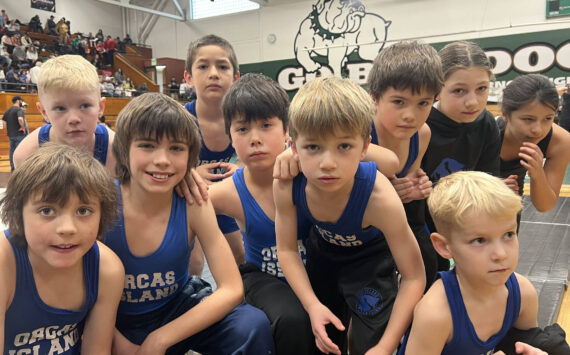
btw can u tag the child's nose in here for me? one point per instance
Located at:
(328, 161)
(160, 157)
(499, 251)
(65, 225)
(471, 100)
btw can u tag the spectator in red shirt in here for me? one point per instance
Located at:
(110, 45)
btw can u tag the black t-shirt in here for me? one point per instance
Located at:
(11, 117)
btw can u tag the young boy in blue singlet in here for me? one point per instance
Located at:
(163, 310)
(474, 305)
(60, 285)
(70, 100)
(211, 68)
(404, 81)
(360, 225)
(256, 115)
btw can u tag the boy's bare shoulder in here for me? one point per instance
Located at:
(7, 271)
(424, 133)
(529, 304)
(433, 308)
(26, 147)
(224, 196)
(113, 267)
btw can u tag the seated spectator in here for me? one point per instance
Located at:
(13, 28)
(31, 55)
(141, 89)
(127, 39)
(97, 62)
(7, 43)
(2, 79)
(173, 88)
(120, 45)
(34, 72)
(108, 87)
(35, 24)
(5, 59)
(119, 76)
(19, 54)
(129, 84)
(13, 80)
(119, 90)
(184, 91)
(99, 35)
(25, 40)
(50, 25)
(101, 50)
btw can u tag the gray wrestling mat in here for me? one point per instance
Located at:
(544, 256)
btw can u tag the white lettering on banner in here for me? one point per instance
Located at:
(532, 58)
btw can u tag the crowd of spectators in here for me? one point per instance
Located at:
(19, 53)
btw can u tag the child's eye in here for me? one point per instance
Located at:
(145, 145)
(458, 91)
(510, 235)
(202, 66)
(424, 104)
(398, 102)
(267, 125)
(482, 88)
(312, 147)
(46, 211)
(224, 67)
(477, 241)
(85, 106)
(241, 129)
(344, 146)
(59, 108)
(84, 211)
(178, 148)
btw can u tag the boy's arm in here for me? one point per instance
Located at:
(386, 212)
(528, 313)
(26, 147)
(100, 322)
(8, 282)
(111, 162)
(386, 160)
(431, 312)
(229, 293)
(416, 185)
(226, 200)
(545, 181)
(294, 269)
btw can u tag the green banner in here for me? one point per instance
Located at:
(546, 52)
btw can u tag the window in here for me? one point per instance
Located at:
(210, 8)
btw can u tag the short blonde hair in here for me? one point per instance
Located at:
(325, 105)
(68, 72)
(475, 191)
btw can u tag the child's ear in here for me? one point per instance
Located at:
(294, 150)
(42, 111)
(102, 106)
(440, 245)
(236, 76)
(188, 78)
(365, 147)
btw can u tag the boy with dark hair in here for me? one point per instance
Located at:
(360, 227)
(211, 68)
(404, 81)
(60, 285)
(256, 115)
(163, 309)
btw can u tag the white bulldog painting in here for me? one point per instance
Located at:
(336, 28)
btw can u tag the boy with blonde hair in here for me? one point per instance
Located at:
(71, 103)
(359, 228)
(60, 285)
(475, 304)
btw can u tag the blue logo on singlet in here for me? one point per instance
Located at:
(369, 301)
(446, 167)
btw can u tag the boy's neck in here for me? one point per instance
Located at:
(150, 203)
(209, 111)
(259, 178)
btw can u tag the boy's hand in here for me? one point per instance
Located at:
(210, 178)
(193, 188)
(321, 316)
(230, 169)
(416, 186)
(286, 167)
(525, 349)
(531, 158)
(152, 346)
(512, 183)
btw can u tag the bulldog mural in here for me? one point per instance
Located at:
(335, 29)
